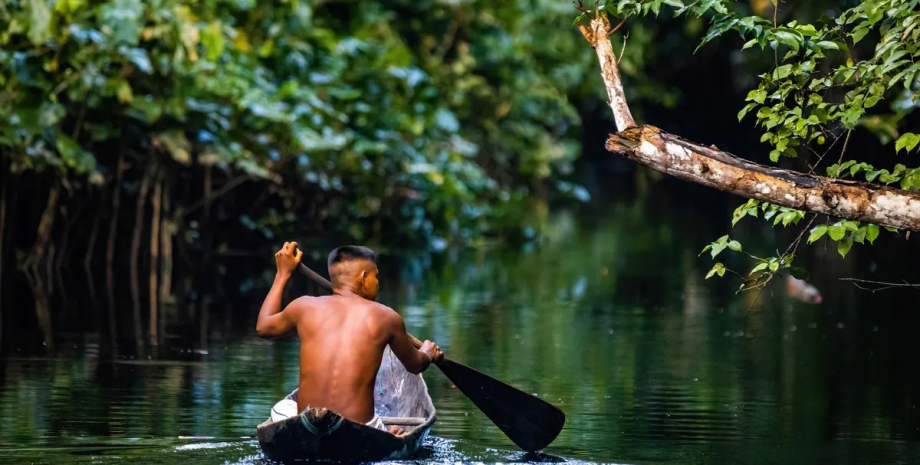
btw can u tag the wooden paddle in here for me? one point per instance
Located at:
(528, 421)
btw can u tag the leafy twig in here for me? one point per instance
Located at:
(821, 157)
(884, 285)
(623, 50)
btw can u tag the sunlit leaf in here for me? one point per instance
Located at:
(907, 141)
(718, 268)
(872, 233)
(817, 233)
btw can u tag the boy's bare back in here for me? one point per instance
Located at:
(342, 340)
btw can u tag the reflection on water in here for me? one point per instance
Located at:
(609, 319)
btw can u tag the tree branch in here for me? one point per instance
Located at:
(598, 35)
(669, 154)
(884, 285)
(180, 212)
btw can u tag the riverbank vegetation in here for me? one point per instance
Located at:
(148, 136)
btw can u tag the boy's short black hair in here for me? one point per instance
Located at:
(351, 252)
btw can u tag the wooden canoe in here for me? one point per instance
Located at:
(317, 434)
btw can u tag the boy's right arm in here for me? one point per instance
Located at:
(415, 360)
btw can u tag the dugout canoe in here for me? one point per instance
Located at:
(317, 434)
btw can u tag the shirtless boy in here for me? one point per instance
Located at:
(342, 336)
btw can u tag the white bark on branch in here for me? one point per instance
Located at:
(599, 38)
(711, 167)
(669, 154)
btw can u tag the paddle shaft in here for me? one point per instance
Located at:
(325, 284)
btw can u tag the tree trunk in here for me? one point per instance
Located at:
(3, 183)
(62, 256)
(205, 274)
(711, 167)
(34, 262)
(88, 261)
(166, 263)
(205, 316)
(49, 262)
(155, 259)
(135, 251)
(110, 250)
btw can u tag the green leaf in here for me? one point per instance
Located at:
(782, 72)
(717, 249)
(855, 168)
(788, 38)
(760, 267)
(836, 232)
(735, 246)
(125, 95)
(859, 236)
(73, 156)
(859, 32)
(817, 233)
(674, 3)
(828, 45)
(844, 246)
(774, 266)
(745, 110)
(749, 44)
(872, 233)
(907, 141)
(177, 145)
(850, 225)
(213, 40)
(39, 22)
(145, 108)
(138, 57)
(718, 268)
(123, 17)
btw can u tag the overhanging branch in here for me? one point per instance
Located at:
(669, 154)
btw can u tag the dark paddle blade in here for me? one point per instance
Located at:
(530, 422)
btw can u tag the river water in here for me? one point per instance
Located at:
(609, 318)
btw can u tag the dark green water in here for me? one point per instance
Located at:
(610, 319)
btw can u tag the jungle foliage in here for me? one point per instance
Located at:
(431, 115)
(149, 125)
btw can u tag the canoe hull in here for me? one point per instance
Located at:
(334, 438)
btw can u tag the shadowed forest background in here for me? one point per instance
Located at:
(156, 153)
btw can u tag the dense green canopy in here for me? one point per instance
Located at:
(433, 115)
